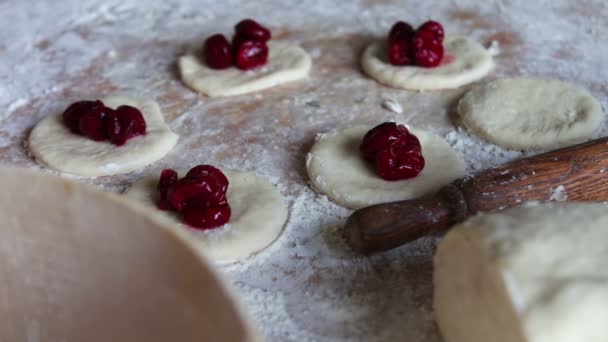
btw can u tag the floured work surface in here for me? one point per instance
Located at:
(308, 285)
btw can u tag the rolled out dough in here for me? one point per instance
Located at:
(528, 113)
(51, 143)
(471, 63)
(526, 274)
(286, 63)
(336, 169)
(258, 217)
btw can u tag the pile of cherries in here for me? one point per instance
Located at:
(248, 50)
(422, 47)
(394, 151)
(199, 197)
(98, 122)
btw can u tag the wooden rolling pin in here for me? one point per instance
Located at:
(574, 173)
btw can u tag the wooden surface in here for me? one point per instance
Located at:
(570, 174)
(308, 286)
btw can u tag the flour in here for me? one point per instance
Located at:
(129, 46)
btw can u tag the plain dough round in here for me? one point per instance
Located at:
(535, 273)
(335, 168)
(258, 217)
(52, 144)
(523, 113)
(286, 63)
(471, 63)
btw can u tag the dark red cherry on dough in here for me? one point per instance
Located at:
(217, 52)
(208, 217)
(251, 55)
(72, 115)
(93, 123)
(252, 30)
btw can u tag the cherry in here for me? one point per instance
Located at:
(429, 55)
(433, 27)
(379, 137)
(217, 52)
(253, 30)
(399, 52)
(399, 161)
(401, 31)
(167, 178)
(71, 116)
(93, 123)
(394, 150)
(206, 217)
(251, 54)
(421, 38)
(208, 171)
(125, 123)
(203, 189)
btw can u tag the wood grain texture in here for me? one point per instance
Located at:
(574, 173)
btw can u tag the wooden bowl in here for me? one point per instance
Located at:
(77, 264)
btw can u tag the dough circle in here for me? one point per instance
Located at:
(336, 169)
(471, 63)
(52, 144)
(258, 217)
(526, 274)
(286, 63)
(528, 113)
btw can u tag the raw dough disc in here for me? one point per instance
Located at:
(286, 63)
(526, 274)
(258, 217)
(51, 143)
(523, 113)
(336, 169)
(471, 63)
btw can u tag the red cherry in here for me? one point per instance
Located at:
(207, 217)
(208, 171)
(401, 31)
(93, 123)
(380, 137)
(251, 54)
(421, 38)
(429, 55)
(401, 160)
(167, 178)
(125, 123)
(217, 52)
(399, 52)
(71, 116)
(253, 30)
(433, 27)
(199, 190)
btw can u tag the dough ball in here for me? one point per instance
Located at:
(335, 168)
(286, 63)
(258, 217)
(522, 113)
(52, 144)
(526, 274)
(471, 62)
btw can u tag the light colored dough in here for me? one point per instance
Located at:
(78, 264)
(471, 63)
(286, 63)
(526, 274)
(258, 217)
(335, 168)
(51, 143)
(524, 113)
